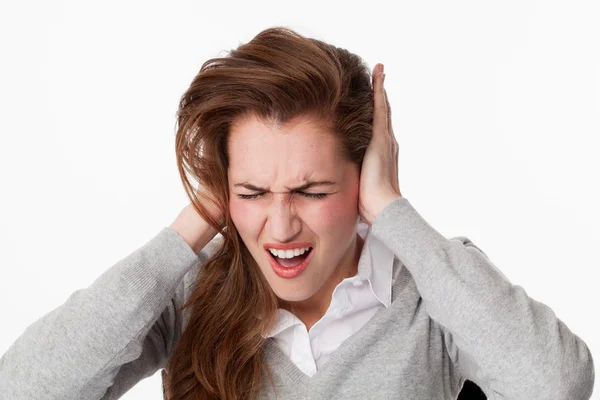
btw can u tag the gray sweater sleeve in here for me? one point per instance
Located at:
(512, 346)
(109, 336)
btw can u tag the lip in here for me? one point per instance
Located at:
(289, 272)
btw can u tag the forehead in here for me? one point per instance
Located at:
(275, 155)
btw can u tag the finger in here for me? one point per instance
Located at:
(379, 104)
(388, 113)
(395, 147)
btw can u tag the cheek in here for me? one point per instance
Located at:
(245, 217)
(338, 212)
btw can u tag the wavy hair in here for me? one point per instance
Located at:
(277, 75)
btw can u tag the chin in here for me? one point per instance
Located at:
(293, 294)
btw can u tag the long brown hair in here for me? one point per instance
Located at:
(278, 75)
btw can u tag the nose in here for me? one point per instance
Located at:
(283, 222)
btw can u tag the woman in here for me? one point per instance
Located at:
(324, 281)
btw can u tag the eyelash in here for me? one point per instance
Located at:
(309, 195)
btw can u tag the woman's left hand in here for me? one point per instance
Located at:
(379, 174)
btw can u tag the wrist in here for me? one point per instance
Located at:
(196, 233)
(384, 202)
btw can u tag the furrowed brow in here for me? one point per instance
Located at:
(307, 185)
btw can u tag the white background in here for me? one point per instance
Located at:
(496, 107)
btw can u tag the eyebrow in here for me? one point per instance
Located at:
(303, 187)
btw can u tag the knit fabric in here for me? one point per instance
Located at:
(354, 301)
(453, 316)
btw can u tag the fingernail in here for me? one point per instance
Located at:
(379, 69)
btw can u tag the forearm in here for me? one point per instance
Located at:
(508, 341)
(193, 229)
(77, 348)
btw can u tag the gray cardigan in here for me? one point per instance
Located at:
(454, 316)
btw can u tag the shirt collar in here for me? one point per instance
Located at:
(373, 253)
(376, 265)
(283, 321)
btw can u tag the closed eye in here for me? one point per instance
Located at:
(309, 195)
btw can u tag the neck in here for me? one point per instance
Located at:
(311, 310)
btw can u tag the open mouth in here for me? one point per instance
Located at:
(290, 262)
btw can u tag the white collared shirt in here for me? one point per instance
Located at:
(354, 301)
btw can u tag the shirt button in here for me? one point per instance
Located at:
(357, 283)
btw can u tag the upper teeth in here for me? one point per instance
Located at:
(288, 253)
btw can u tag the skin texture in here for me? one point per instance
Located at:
(379, 184)
(276, 158)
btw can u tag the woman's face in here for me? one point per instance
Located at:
(270, 161)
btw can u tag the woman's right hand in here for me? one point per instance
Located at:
(193, 228)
